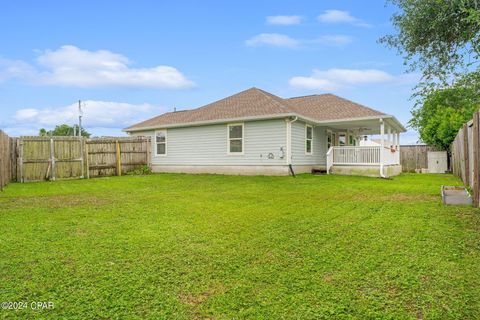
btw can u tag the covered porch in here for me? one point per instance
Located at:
(369, 147)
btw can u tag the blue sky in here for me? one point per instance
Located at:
(133, 60)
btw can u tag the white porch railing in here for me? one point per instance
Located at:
(361, 156)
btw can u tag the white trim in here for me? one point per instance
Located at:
(266, 117)
(156, 143)
(230, 139)
(209, 122)
(306, 139)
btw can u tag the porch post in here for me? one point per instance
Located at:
(389, 135)
(382, 146)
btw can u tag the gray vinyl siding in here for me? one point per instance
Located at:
(319, 145)
(207, 145)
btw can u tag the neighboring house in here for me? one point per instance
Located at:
(256, 132)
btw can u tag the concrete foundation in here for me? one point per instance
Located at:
(369, 171)
(227, 170)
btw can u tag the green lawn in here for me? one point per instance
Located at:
(221, 247)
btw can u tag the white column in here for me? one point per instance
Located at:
(398, 147)
(389, 135)
(382, 146)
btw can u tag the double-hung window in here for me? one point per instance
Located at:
(161, 143)
(308, 139)
(235, 138)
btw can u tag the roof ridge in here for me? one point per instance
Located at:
(269, 95)
(358, 104)
(311, 95)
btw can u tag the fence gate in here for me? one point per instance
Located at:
(50, 158)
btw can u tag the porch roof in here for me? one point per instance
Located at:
(364, 126)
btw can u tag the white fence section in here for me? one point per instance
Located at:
(361, 156)
(391, 156)
(356, 155)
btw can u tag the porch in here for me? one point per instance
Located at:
(357, 153)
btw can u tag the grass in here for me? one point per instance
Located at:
(223, 247)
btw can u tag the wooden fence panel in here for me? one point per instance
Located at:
(116, 156)
(5, 164)
(466, 156)
(414, 158)
(27, 159)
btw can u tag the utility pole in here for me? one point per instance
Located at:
(80, 113)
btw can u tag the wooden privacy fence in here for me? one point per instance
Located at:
(414, 158)
(7, 159)
(465, 156)
(51, 158)
(116, 156)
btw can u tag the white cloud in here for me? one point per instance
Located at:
(339, 16)
(106, 115)
(281, 40)
(284, 20)
(333, 40)
(71, 66)
(334, 79)
(272, 39)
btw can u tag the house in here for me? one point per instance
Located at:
(255, 132)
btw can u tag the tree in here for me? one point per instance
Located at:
(439, 37)
(444, 111)
(64, 130)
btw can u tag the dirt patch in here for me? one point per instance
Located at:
(195, 300)
(54, 202)
(398, 197)
(420, 315)
(328, 277)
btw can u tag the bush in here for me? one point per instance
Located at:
(141, 171)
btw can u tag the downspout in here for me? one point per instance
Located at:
(289, 144)
(382, 146)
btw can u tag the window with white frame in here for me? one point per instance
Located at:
(235, 138)
(161, 142)
(308, 139)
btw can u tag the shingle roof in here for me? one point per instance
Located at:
(258, 103)
(329, 107)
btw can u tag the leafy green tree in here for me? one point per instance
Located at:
(444, 111)
(439, 37)
(64, 130)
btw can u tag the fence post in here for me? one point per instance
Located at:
(52, 158)
(119, 162)
(465, 154)
(82, 159)
(475, 164)
(149, 154)
(87, 164)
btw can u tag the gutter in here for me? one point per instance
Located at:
(265, 117)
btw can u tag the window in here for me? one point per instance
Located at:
(161, 143)
(329, 139)
(235, 138)
(308, 139)
(342, 139)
